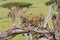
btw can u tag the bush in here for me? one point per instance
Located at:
(50, 2)
(15, 4)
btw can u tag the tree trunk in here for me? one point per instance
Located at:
(56, 21)
(58, 3)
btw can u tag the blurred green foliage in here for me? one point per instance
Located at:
(50, 2)
(9, 5)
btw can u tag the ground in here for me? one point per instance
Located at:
(5, 22)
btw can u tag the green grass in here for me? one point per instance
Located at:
(5, 22)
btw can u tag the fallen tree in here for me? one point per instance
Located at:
(9, 34)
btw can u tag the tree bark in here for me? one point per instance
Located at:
(56, 21)
(58, 2)
(9, 34)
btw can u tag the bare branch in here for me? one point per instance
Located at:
(49, 14)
